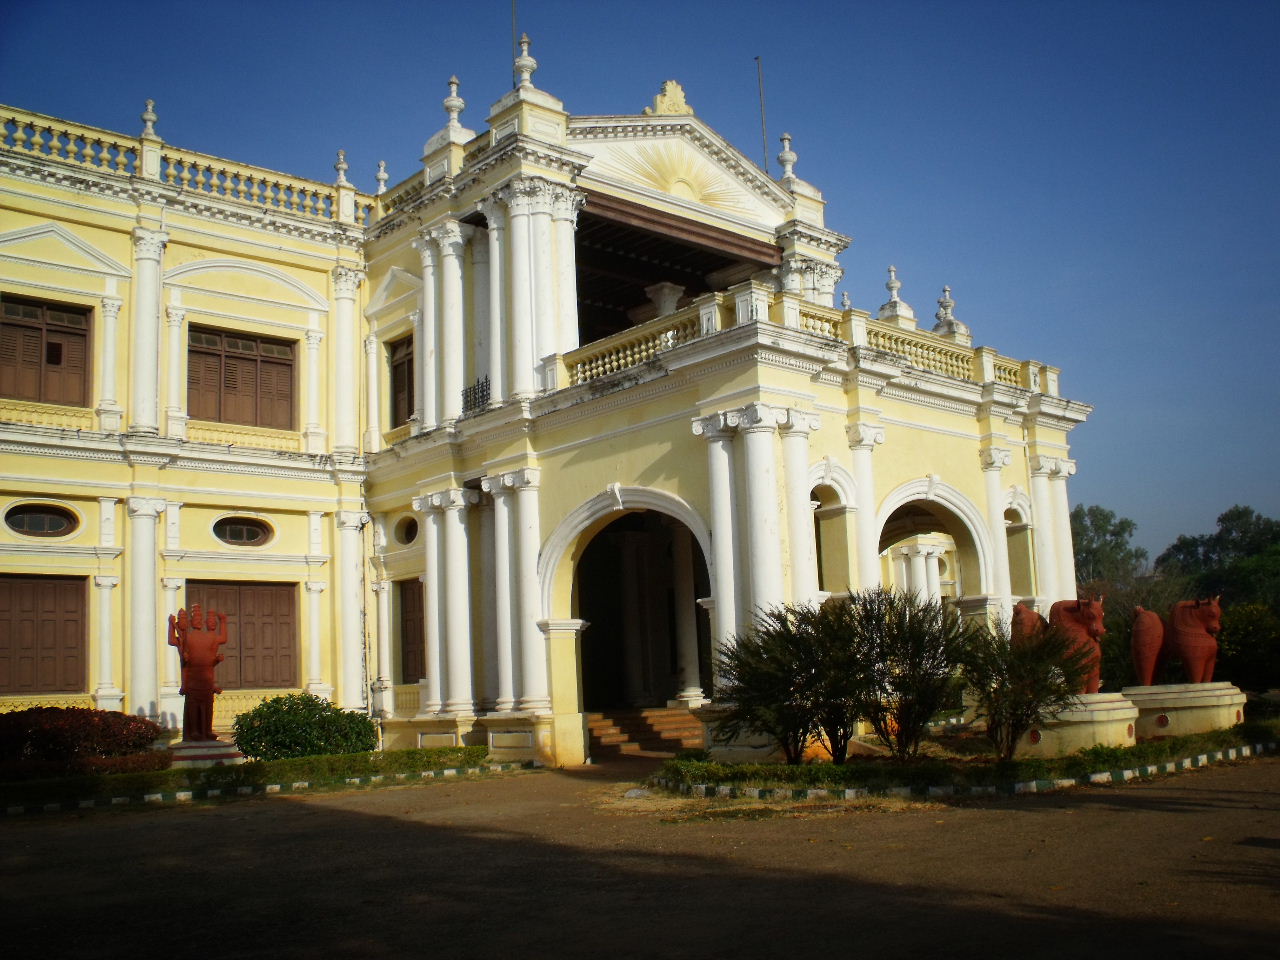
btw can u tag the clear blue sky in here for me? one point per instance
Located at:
(1099, 182)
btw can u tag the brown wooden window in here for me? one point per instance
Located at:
(262, 631)
(44, 352)
(401, 381)
(234, 378)
(43, 630)
(413, 657)
(242, 531)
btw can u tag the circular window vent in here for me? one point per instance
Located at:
(242, 531)
(406, 530)
(41, 520)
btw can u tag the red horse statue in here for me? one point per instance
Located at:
(1190, 634)
(198, 638)
(1081, 621)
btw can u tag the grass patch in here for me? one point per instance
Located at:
(331, 768)
(958, 770)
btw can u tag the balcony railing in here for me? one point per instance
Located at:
(632, 347)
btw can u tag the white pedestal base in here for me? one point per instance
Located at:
(1096, 718)
(1177, 709)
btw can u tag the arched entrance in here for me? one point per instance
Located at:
(647, 641)
(929, 551)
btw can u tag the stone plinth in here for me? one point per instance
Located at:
(205, 753)
(1096, 718)
(511, 736)
(432, 730)
(1176, 709)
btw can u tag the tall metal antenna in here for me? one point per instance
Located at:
(515, 47)
(764, 135)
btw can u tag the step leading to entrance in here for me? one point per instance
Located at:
(658, 732)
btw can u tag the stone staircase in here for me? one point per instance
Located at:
(642, 732)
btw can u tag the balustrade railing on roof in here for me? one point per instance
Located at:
(923, 351)
(632, 347)
(37, 135)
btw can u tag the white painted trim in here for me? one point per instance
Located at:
(106, 265)
(313, 300)
(615, 502)
(973, 519)
(61, 550)
(217, 556)
(841, 480)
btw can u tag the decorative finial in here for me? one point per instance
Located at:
(670, 101)
(945, 303)
(381, 177)
(844, 300)
(525, 64)
(149, 119)
(454, 104)
(342, 167)
(896, 309)
(894, 284)
(787, 157)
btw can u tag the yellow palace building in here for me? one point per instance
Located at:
(520, 438)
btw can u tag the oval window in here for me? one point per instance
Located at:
(407, 530)
(41, 520)
(242, 531)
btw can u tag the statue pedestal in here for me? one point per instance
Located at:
(1096, 718)
(1176, 709)
(205, 753)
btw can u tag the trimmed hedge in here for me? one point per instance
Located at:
(54, 741)
(302, 725)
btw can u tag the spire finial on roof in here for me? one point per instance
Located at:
(454, 104)
(381, 177)
(341, 166)
(525, 64)
(149, 119)
(945, 303)
(897, 308)
(844, 300)
(947, 324)
(787, 158)
(894, 284)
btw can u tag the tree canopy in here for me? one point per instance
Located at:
(1103, 553)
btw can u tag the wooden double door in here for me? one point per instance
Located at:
(262, 631)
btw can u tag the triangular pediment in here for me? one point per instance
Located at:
(399, 289)
(51, 244)
(681, 161)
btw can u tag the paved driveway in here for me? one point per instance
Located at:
(559, 864)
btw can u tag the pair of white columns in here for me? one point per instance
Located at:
(917, 569)
(759, 534)
(446, 585)
(439, 332)
(1051, 530)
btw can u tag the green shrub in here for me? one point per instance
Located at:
(302, 725)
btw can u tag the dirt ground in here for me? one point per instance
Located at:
(559, 864)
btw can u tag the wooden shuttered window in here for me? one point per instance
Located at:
(262, 631)
(44, 352)
(401, 381)
(413, 657)
(43, 631)
(239, 379)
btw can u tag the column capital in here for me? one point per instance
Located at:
(800, 422)
(454, 498)
(425, 244)
(1043, 466)
(715, 426)
(864, 436)
(526, 477)
(314, 337)
(149, 244)
(527, 195)
(494, 208)
(314, 586)
(173, 583)
(452, 237)
(346, 280)
(994, 458)
(350, 519)
(760, 417)
(150, 507)
(106, 583)
(1065, 468)
(175, 315)
(566, 201)
(371, 345)
(493, 485)
(111, 307)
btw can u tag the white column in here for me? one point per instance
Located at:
(106, 696)
(759, 423)
(452, 238)
(141, 686)
(109, 409)
(424, 339)
(1043, 530)
(543, 272)
(171, 676)
(346, 380)
(918, 576)
(1062, 528)
(315, 653)
(863, 438)
(503, 591)
(459, 697)
(535, 694)
(175, 415)
(373, 393)
(901, 576)
(932, 574)
(800, 535)
(521, 328)
(383, 692)
(565, 204)
(480, 327)
(433, 688)
(686, 617)
(144, 349)
(351, 603)
(495, 213)
(993, 460)
(724, 595)
(313, 432)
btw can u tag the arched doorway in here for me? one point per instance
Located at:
(647, 641)
(929, 551)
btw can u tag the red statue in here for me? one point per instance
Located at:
(1081, 621)
(198, 638)
(1191, 637)
(1026, 625)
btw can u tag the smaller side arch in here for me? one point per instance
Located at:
(828, 473)
(935, 490)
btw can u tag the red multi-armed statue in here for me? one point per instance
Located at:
(1081, 620)
(198, 637)
(1190, 634)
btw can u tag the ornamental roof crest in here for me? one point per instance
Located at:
(670, 102)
